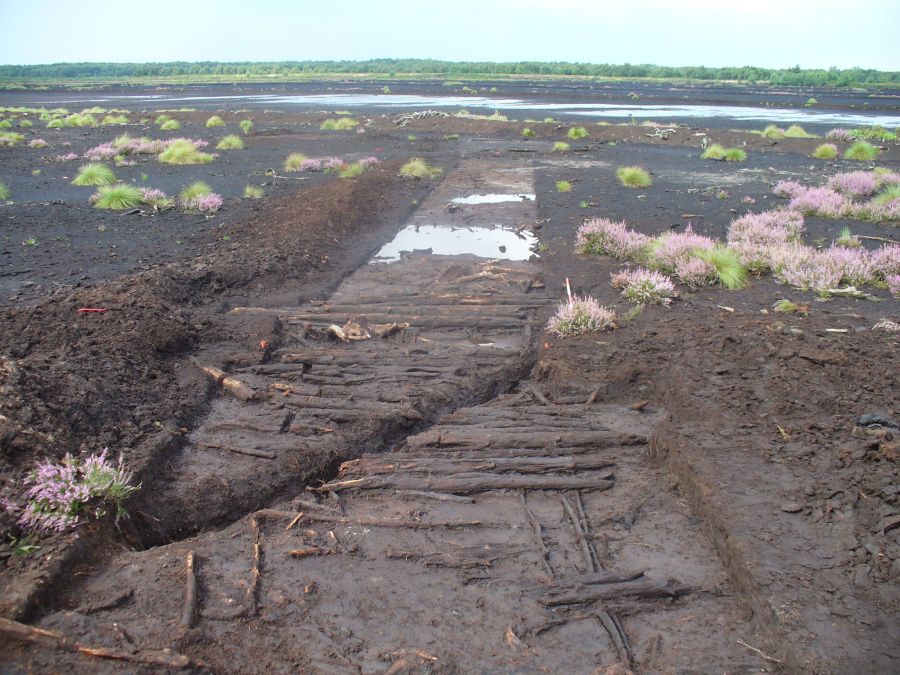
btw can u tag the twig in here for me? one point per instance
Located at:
(759, 651)
(254, 568)
(884, 239)
(538, 535)
(190, 592)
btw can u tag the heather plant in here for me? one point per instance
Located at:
(826, 151)
(253, 192)
(731, 272)
(633, 177)
(735, 155)
(208, 204)
(563, 186)
(37, 143)
(893, 284)
(193, 192)
(696, 272)
(170, 125)
(156, 199)
(419, 168)
(183, 151)
(313, 164)
(796, 131)
(714, 151)
(854, 265)
(368, 161)
(117, 197)
(215, 121)
(579, 316)
(773, 132)
(600, 236)
(62, 494)
(101, 153)
(4, 192)
(294, 161)
(808, 273)
(838, 134)
(561, 146)
(854, 183)
(576, 133)
(339, 124)
(246, 126)
(672, 248)
(198, 196)
(754, 236)
(645, 287)
(788, 188)
(861, 151)
(820, 201)
(886, 260)
(230, 142)
(94, 174)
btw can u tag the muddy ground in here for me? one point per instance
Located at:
(687, 493)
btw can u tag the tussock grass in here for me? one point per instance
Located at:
(117, 197)
(182, 151)
(215, 121)
(826, 151)
(5, 124)
(528, 133)
(253, 192)
(774, 132)
(633, 177)
(352, 170)
(293, 161)
(730, 270)
(161, 119)
(246, 126)
(796, 131)
(170, 125)
(230, 142)
(888, 194)
(94, 174)
(114, 120)
(735, 155)
(194, 191)
(418, 168)
(861, 151)
(785, 306)
(714, 151)
(575, 133)
(561, 146)
(563, 186)
(56, 123)
(340, 124)
(4, 192)
(25, 124)
(10, 138)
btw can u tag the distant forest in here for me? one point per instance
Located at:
(405, 67)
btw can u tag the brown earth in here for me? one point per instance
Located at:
(746, 478)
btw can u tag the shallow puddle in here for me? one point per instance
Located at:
(485, 242)
(493, 199)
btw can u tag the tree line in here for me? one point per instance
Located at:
(795, 76)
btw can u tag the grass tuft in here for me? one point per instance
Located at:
(182, 151)
(773, 132)
(561, 146)
(117, 197)
(246, 126)
(114, 120)
(796, 131)
(294, 161)
(826, 151)
(888, 194)
(633, 177)
(215, 121)
(419, 168)
(576, 132)
(730, 270)
(193, 192)
(340, 124)
(230, 142)
(170, 125)
(735, 155)
(861, 151)
(563, 186)
(253, 192)
(714, 151)
(785, 306)
(528, 133)
(4, 192)
(352, 170)
(94, 174)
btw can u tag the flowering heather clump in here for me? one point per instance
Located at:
(60, 493)
(68, 157)
(855, 265)
(696, 273)
(748, 200)
(887, 326)
(368, 161)
(156, 198)
(788, 189)
(599, 236)
(820, 201)
(332, 163)
(37, 143)
(854, 183)
(886, 260)
(671, 248)
(209, 204)
(101, 153)
(893, 284)
(810, 273)
(838, 134)
(885, 178)
(311, 165)
(579, 316)
(645, 287)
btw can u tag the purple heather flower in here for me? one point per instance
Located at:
(599, 236)
(645, 287)
(331, 163)
(855, 265)
(67, 157)
(100, 153)
(368, 161)
(37, 143)
(311, 165)
(674, 247)
(696, 272)
(893, 283)
(812, 273)
(821, 201)
(747, 199)
(854, 183)
(886, 260)
(788, 189)
(580, 315)
(838, 134)
(208, 203)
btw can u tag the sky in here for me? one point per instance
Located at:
(765, 33)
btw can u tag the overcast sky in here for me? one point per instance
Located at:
(768, 33)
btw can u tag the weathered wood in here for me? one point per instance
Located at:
(586, 527)
(581, 581)
(368, 522)
(589, 563)
(49, 638)
(305, 551)
(467, 483)
(534, 391)
(233, 386)
(640, 588)
(428, 322)
(437, 496)
(400, 463)
(189, 614)
(252, 452)
(538, 534)
(477, 438)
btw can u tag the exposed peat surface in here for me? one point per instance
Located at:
(360, 451)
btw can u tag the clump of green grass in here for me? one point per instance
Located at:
(847, 239)
(563, 186)
(161, 119)
(861, 151)
(811, 101)
(253, 192)
(114, 120)
(246, 126)
(411, 137)
(340, 124)
(785, 306)
(215, 121)
(796, 131)
(117, 197)
(5, 124)
(10, 138)
(170, 125)
(528, 133)
(735, 155)
(419, 168)
(888, 194)
(714, 151)
(94, 173)
(774, 132)
(497, 117)
(826, 151)
(451, 137)
(193, 192)
(293, 161)
(56, 123)
(4, 192)
(182, 151)
(25, 124)
(633, 177)
(730, 270)
(352, 170)
(575, 133)
(230, 142)
(561, 146)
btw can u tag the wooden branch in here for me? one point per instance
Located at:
(534, 391)
(509, 439)
(254, 568)
(401, 463)
(305, 551)
(190, 592)
(235, 387)
(640, 588)
(366, 522)
(538, 534)
(579, 534)
(437, 496)
(467, 483)
(25, 633)
(617, 636)
(252, 452)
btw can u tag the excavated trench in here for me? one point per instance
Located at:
(465, 521)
